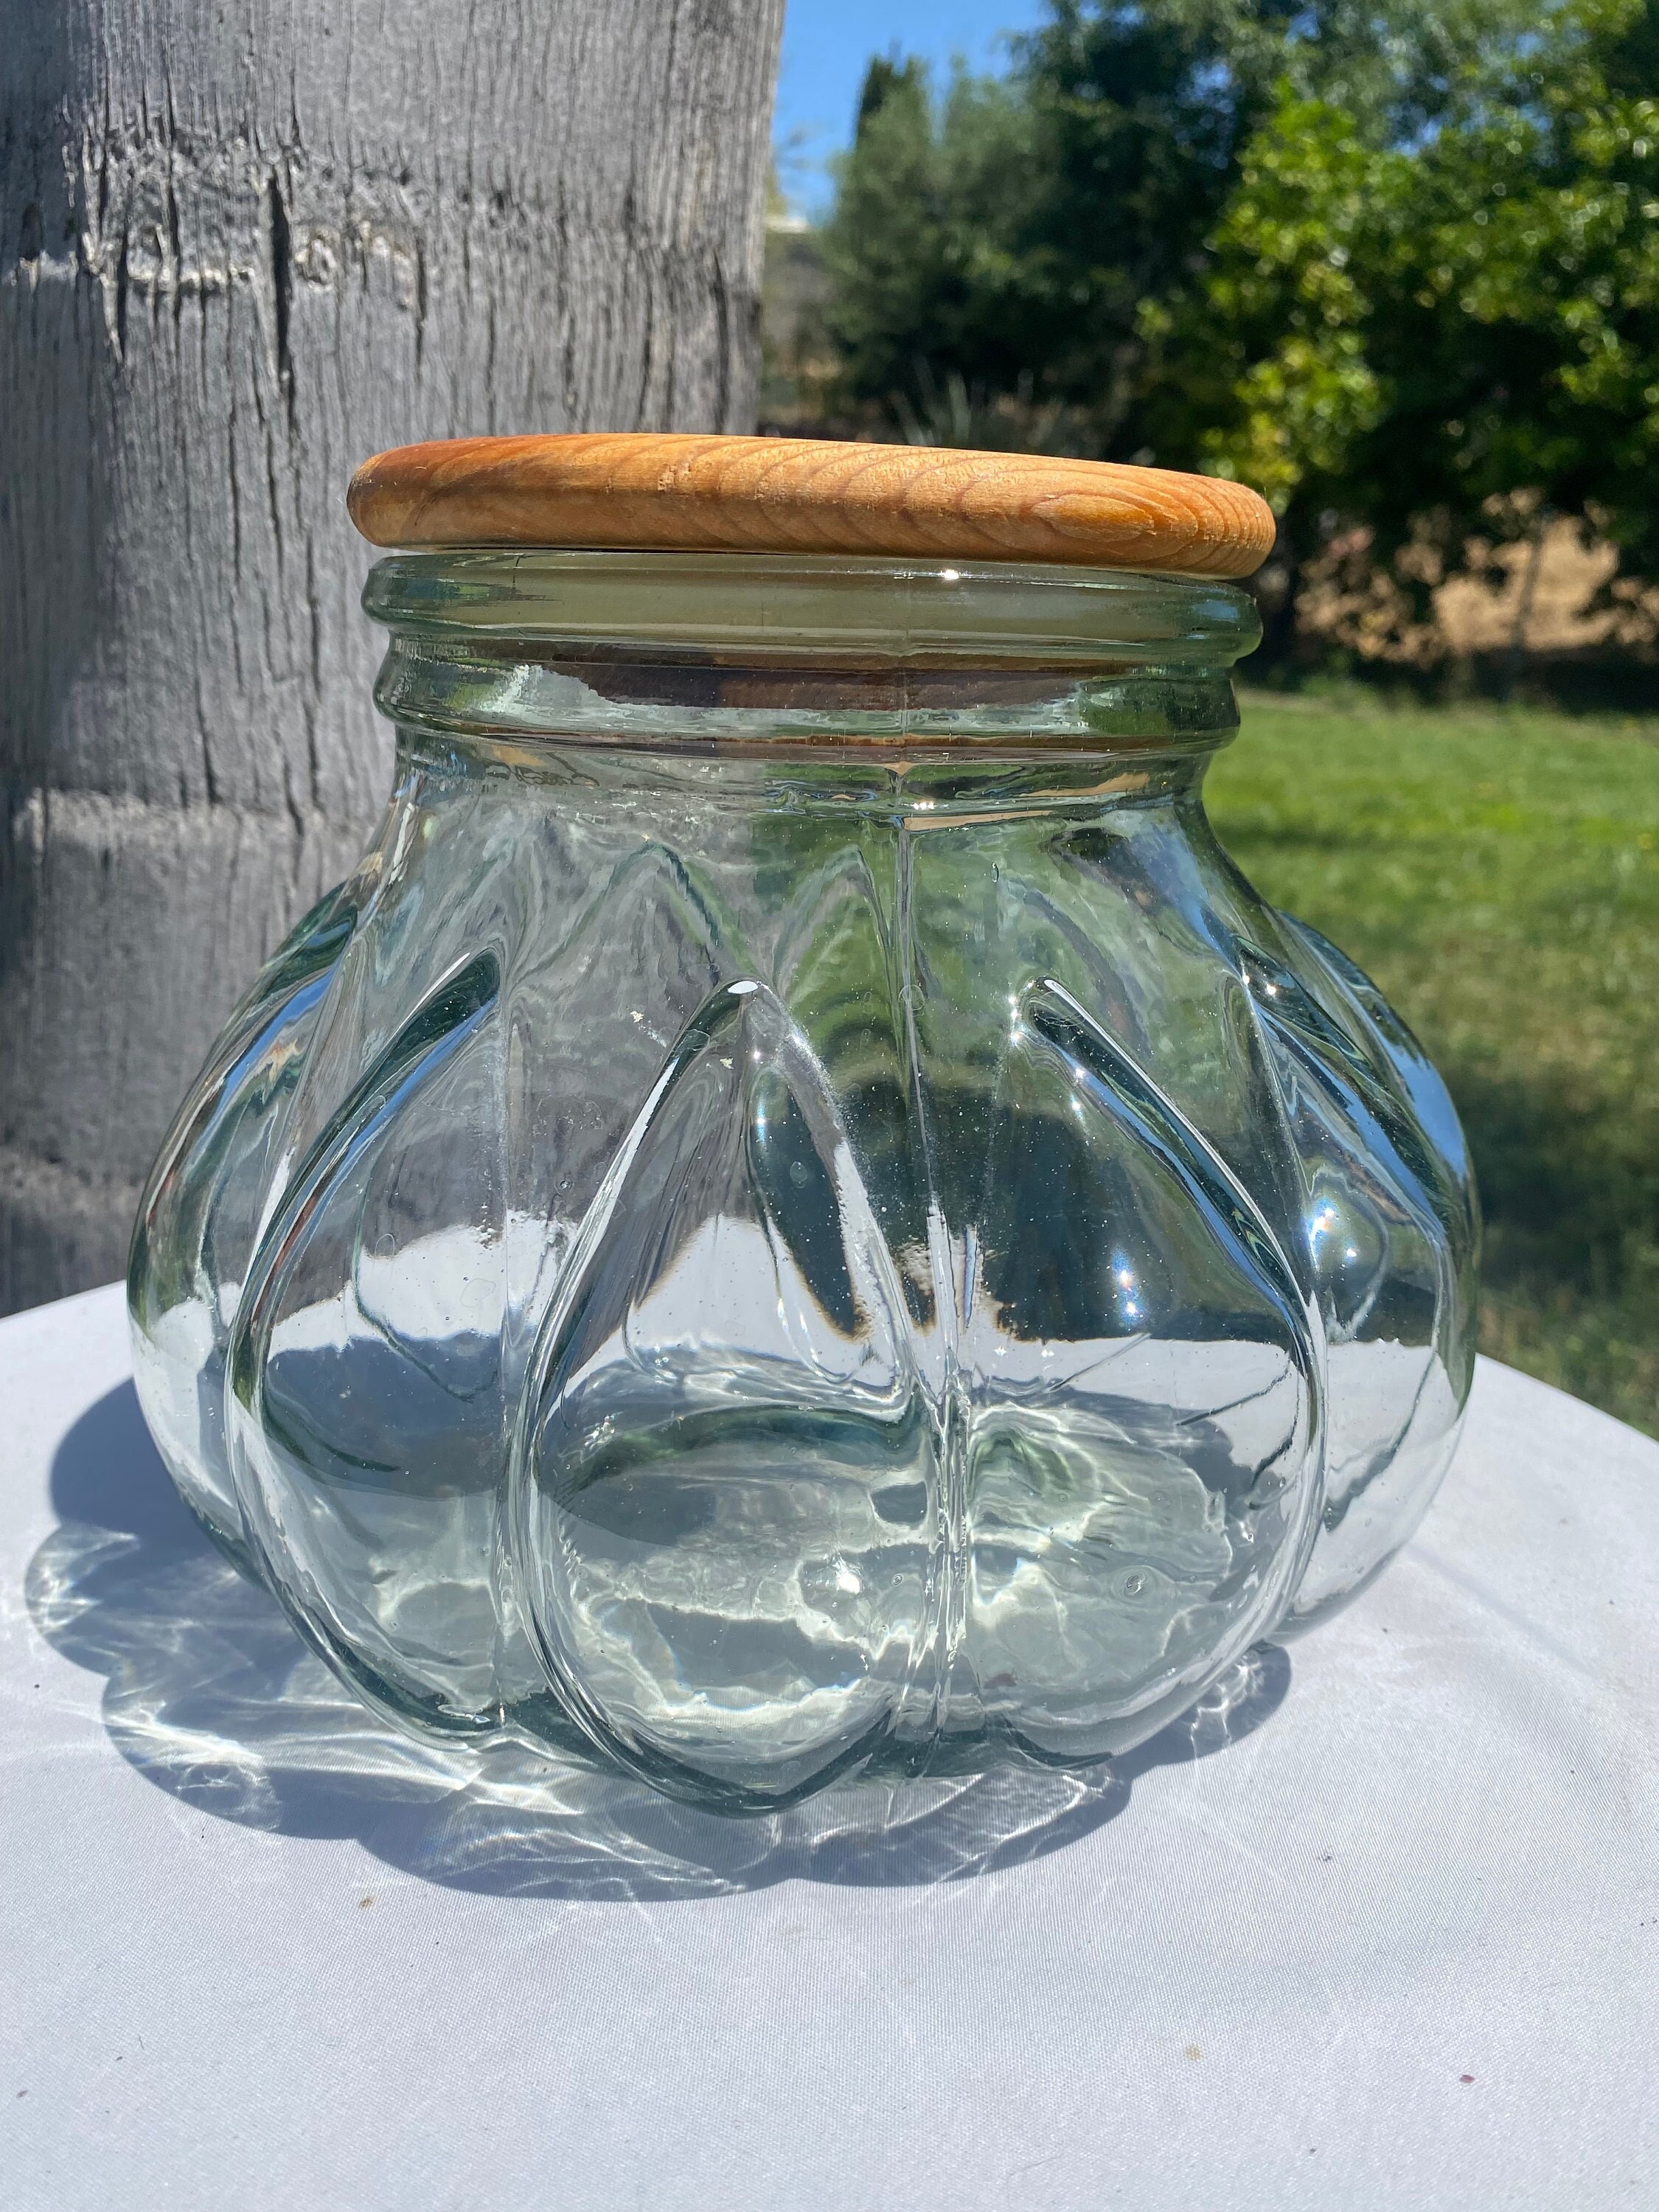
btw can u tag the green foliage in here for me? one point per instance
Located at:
(1435, 338)
(1397, 265)
(1008, 233)
(919, 248)
(1264, 372)
(1496, 869)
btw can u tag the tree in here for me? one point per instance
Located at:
(1445, 340)
(242, 247)
(1010, 234)
(1396, 264)
(921, 250)
(1007, 234)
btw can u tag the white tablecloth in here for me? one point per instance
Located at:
(1385, 1934)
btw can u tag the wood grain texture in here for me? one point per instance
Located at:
(808, 495)
(242, 243)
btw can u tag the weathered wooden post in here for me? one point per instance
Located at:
(244, 243)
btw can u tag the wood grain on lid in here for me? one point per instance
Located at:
(681, 492)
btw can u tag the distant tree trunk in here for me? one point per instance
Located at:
(243, 243)
(1277, 585)
(1515, 659)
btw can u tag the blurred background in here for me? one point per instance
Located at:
(1397, 265)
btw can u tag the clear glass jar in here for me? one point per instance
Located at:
(796, 1214)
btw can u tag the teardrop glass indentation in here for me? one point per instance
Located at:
(724, 1489)
(1388, 1221)
(1142, 1379)
(1413, 1076)
(199, 1219)
(365, 1406)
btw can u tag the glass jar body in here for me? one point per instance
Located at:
(772, 1261)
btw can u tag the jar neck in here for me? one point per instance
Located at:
(690, 701)
(778, 654)
(914, 787)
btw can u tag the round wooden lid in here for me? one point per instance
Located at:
(688, 493)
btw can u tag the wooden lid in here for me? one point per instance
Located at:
(688, 493)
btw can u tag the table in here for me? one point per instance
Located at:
(1380, 1928)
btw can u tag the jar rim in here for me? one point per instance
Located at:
(855, 609)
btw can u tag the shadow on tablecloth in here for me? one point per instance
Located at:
(212, 1697)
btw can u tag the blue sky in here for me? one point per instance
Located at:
(826, 46)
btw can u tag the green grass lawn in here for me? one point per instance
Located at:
(1497, 871)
